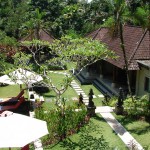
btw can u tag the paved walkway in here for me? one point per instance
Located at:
(105, 112)
(125, 136)
(75, 86)
(79, 91)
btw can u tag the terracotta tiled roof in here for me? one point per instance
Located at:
(43, 35)
(137, 45)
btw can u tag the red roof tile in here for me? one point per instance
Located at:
(137, 46)
(43, 35)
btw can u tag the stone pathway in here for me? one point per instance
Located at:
(125, 136)
(79, 91)
(105, 112)
(101, 96)
(76, 87)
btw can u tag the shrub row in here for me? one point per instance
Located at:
(60, 125)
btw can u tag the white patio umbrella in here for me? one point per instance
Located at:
(21, 76)
(18, 130)
(6, 79)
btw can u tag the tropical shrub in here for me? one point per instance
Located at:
(62, 123)
(112, 102)
(139, 108)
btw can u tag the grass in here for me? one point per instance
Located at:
(58, 79)
(86, 88)
(139, 129)
(69, 94)
(97, 101)
(95, 136)
(10, 91)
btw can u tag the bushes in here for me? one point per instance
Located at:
(40, 88)
(59, 66)
(61, 124)
(110, 101)
(138, 108)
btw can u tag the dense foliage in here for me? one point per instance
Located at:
(59, 16)
(139, 108)
(61, 124)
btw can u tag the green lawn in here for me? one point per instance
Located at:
(57, 79)
(139, 129)
(10, 91)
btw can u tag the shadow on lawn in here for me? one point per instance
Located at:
(49, 95)
(87, 140)
(99, 118)
(137, 130)
(124, 120)
(140, 130)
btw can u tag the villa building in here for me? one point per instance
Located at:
(108, 75)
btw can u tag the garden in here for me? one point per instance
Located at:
(47, 38)
(74, 129)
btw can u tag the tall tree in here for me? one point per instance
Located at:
(119, 11)
(33, 24)
(7, 50)
(80, 51)
(12, 15)
(141, 16)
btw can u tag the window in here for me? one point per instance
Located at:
(147, 84)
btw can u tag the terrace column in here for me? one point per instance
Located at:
(114, 77)
(87, 74)
(101, 72)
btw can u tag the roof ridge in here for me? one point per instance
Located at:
(134, 26)
(47, 33)
(96, 33)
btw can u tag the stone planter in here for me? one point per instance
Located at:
(119, 110)
(91, 111)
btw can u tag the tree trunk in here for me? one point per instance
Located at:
(125, 59)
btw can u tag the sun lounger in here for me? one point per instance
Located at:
(25, 147)
(12, 107)
(13, 98)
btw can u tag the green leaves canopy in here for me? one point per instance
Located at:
(80, 50)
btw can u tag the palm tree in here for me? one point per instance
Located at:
(119, 12)
(142, 16)
(34, 24)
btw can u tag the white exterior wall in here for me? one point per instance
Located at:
(140, 81)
